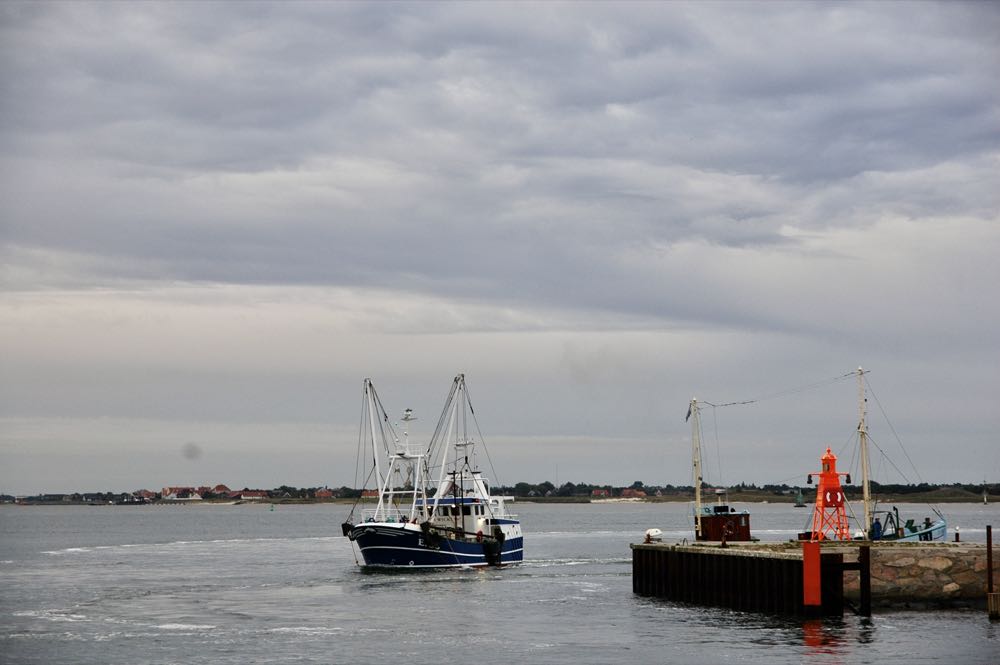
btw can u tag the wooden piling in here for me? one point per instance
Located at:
(865, 579)
(989, 558)
(992, 598)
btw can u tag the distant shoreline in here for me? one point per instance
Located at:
(934, 497)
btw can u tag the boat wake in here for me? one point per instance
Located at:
(549, 563)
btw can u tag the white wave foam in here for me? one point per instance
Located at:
(68, 550)
(52, 615)
(187, 543)
(306, 630)
(184, 626)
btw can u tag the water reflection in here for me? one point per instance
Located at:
(866, 631)
(823, 637)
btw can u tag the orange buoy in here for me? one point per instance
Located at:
(830, 516)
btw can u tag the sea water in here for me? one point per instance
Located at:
(245, 584)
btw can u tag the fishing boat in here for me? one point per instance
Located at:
(435, 508)
(886, 523)
(718, 521)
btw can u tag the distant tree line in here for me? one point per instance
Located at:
(520, 490)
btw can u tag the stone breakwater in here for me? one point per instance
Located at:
(918, 574)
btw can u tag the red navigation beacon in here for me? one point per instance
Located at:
(829, 516)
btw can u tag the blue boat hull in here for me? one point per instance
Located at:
(398, 546)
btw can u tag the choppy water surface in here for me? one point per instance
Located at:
(238, 584)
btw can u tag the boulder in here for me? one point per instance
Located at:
(951, 589)
(936, 563)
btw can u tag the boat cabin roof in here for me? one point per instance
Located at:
(451, 501)
(720, 509)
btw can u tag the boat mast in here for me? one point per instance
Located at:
(416, 461)
(865, 467)
(372, 406)
(450, 426)
(693, 412)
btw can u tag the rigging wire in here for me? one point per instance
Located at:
(442, 420)
(475, 421)
(784, 393)
(774, 395)
(784, 481)
(885, 458)
(361, 436)
(893, 430)
(718, 454)
(854, 441)
(486, 450)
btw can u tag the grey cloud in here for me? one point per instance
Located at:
(820, 172)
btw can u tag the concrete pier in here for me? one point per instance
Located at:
(768, 577)
(745, 577)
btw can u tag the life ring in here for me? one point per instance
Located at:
(479, 536)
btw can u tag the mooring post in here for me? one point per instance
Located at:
(865, 579)
(992, 599)
(989, 558)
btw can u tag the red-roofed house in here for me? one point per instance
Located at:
(180, 494)
(630, 493)
(253, 495)
(324, 494)
(221, 489)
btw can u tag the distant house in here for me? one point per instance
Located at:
(630, 493)
(253, 495)
(324, 493)
(221, 490)
(180, 494)
(146, 494)
(599, 492)
(369, 494)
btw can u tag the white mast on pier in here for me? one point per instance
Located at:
(865, 466)
(693, 414)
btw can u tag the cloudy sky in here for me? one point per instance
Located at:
(217, 219)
